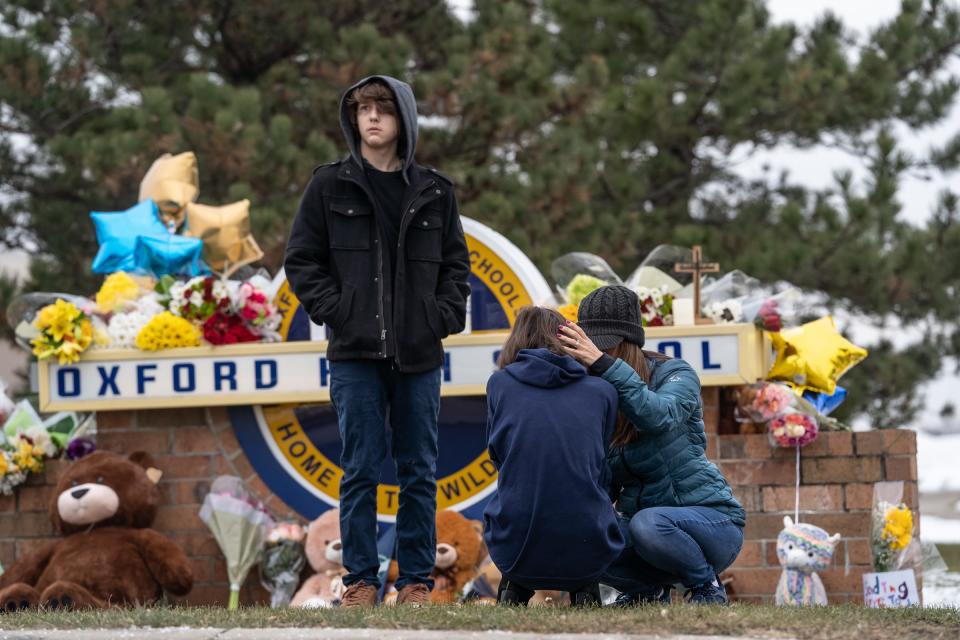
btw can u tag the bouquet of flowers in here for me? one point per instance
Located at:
(239, 523)
(891, 532)
(793, 429)
(725, 312)
(257, 311)
(768, 317)
(124, 327)
(11, 475)
(576, 275)
(64, 331)
(761, 402)
(656, 306)
(117, 292)
(25, 444)
(281, 561)
(167, 331)
(196, 299)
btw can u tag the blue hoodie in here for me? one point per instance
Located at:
(551, 524)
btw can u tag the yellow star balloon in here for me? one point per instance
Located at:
(813, 356)
(225, 231)
(172, 182)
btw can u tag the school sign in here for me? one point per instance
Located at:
(278, 394)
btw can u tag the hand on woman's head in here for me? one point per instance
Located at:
(576, 343)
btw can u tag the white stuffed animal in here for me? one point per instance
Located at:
(803, 549)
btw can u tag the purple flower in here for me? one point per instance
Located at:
(80, 447)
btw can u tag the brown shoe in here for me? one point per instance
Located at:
(415, 595)
(359, 594)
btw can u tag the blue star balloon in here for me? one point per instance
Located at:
(117, 233)
(826, 403)
(169, 255)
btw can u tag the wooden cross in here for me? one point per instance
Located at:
(697, 267)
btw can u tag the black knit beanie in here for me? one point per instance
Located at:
(610, 315)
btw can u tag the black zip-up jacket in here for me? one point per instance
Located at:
(335, 257)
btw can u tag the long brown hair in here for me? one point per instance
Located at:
(534, 328)
(636, 357)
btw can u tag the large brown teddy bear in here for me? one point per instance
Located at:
(104, 505)
(325, 554)
(460, 550)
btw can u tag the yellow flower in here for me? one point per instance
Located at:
(4, 464)
(898, 527)
(27, 458)
(45, 317)
(61, 319)
(167, 331)
(42, 347)
(117, 289)
(569, 311)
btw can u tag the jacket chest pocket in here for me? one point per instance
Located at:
(425, 237)
(349, 225)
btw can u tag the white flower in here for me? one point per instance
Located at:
(220, 290)
(196, 298)
(657, 297)
(41, 440)
(726, 312)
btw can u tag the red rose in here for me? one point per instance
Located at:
(656, 322)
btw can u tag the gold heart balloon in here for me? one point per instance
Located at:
(172, 182)
(813, 356)
(225, 231)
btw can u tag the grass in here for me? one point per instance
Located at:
(846, 621)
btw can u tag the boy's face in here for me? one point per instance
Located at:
(378, 129)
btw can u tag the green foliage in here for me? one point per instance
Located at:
(593, 126)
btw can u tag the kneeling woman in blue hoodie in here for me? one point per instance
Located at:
(550, 525)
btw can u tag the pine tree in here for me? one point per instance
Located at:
(595, 126)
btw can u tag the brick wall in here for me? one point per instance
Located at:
(837, 473)
(193, 446)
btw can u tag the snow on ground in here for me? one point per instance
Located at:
(937, 458)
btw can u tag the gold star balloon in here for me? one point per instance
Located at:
(813, 356)
(225, 231)
(172, 182)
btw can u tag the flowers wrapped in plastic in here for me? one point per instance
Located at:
(239, 523)
(897, 552)
(576, 275)
(26, 441)
(737, 297)
(790, 420)
(64, 331)
(281, 561)
(657, 271)
(891, 531)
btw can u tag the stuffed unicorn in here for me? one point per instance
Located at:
(803, 549)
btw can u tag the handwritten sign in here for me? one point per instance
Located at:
(890, 589)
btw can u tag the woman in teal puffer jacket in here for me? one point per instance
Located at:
(678, 514)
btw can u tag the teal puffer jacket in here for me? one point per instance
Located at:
(667, 465)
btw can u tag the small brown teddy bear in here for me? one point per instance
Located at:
(325, 554)
(104, 505)
(460, 549)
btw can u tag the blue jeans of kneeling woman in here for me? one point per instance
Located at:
(670, 545)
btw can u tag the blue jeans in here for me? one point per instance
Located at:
(670, 545)
(362, 392)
